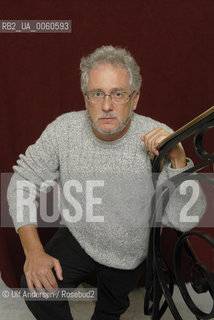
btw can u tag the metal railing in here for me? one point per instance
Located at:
(160, 278)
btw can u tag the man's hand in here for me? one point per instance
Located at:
(176, 154)
(37, 269)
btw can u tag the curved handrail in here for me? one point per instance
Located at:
(157, 268)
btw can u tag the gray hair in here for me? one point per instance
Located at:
(113, 55)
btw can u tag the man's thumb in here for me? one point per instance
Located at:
(58, 269)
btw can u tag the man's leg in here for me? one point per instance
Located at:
(114, 286)
(75, 265)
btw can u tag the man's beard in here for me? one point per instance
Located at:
(115, 131)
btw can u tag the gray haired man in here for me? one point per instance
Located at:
(110, 142)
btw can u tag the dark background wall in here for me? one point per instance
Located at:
(172, 40)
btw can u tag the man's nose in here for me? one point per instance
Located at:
(107, 104)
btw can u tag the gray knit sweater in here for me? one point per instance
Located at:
(119, 199)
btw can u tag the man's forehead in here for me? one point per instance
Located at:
(111, 76)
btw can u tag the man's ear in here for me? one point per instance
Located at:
(136, 99)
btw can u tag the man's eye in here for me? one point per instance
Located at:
(118, 94)
(97, 94)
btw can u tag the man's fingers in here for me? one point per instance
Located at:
(38, 285)
(42, 283)
(52, 282)
(152, 143)
(52, 279)
(39, 273)
(153, 138)
(47, 284)
(58, 269)
(30, 284)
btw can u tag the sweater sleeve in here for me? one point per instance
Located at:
(187, 202)
(178, 212)
(39, 163)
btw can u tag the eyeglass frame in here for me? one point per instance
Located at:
(129, 95)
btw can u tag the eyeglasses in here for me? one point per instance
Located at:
(98, 96)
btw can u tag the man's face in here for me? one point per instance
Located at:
(110, 120)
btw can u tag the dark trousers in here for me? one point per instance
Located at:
(113, 287)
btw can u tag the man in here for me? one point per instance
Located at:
(107, 143)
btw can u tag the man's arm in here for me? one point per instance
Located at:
(177, 202)
(40, 163)
(38, 264)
